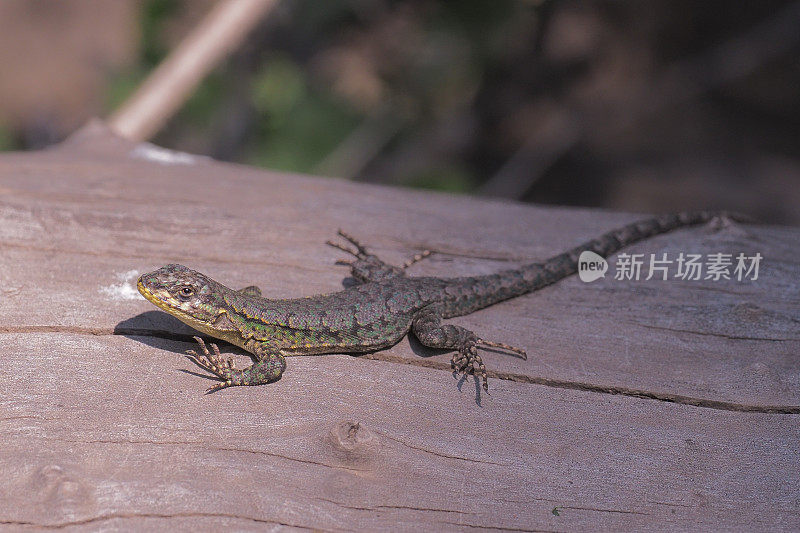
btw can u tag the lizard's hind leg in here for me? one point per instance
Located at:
(367, 267)
(428, 328)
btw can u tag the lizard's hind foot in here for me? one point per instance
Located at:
(428, 328)
(467, 361)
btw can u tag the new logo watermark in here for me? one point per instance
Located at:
(687, 267)
(591, 266)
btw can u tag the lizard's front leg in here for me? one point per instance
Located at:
(368, 267)
(428, 328)
(268, 368)
(251, 290)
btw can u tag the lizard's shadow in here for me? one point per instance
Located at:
(158, 330)
(165, 332)
(161, 330)
(425, 352)
(349, 282)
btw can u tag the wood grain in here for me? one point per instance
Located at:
(649, 404)
(108, 431)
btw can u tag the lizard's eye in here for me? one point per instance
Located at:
(185, 292)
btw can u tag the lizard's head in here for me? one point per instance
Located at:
(188, 295)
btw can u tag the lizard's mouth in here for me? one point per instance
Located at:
(155, 300)
(144, 291)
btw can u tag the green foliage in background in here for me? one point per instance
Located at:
(315, 73)
(6, 140)
(297, 125)
(153, 47)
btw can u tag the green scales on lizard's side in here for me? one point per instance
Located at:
(375, 313)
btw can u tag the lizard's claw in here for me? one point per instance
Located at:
(468, 361)
(342, 247)
(214, 363)
(362, 250)
(506, 347)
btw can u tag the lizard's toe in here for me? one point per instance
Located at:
(468, 361)
(219, 386)
(212, 362)
(200, 361)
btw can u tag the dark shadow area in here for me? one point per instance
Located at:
(424, 351)
(349, 282)
(463, 378)
(160, 330)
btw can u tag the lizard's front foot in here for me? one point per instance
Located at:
(224, 369)
(268, 368)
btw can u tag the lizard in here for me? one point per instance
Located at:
(375, 313)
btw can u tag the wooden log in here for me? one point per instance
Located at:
(643, 404)
(111, 431)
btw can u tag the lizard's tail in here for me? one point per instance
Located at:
(488, 290)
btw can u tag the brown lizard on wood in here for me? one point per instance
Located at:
(376, 313)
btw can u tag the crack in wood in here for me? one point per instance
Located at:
(713, 334)
(500, 528)
(207, 447)
(599, 510)
(399, 507)
(128, 516)
(707, 403)
(439, 454)
(602, 389)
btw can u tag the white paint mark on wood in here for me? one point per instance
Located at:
(125, 289)
(151, 152)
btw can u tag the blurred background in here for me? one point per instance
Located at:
(645, 105)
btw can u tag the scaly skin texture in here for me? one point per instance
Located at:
(376, 313)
